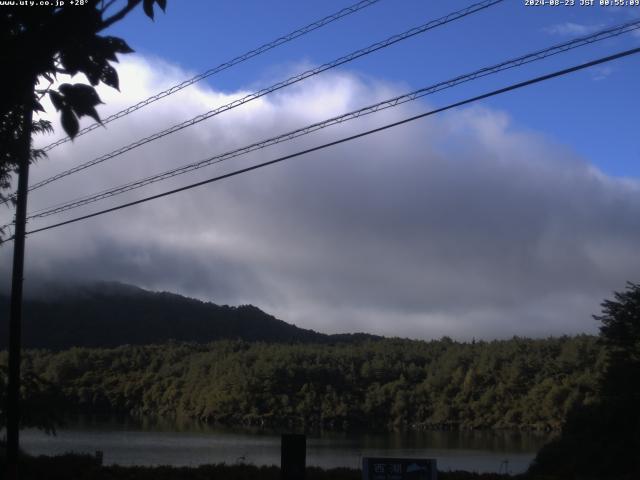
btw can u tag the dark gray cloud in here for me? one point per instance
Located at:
(459, 225)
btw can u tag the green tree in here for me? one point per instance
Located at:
(620, 332)
(42, 402)
(602, 439)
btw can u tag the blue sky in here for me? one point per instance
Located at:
(594, 113)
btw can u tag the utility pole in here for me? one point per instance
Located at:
(15, 313)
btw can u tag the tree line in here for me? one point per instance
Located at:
(374, 384)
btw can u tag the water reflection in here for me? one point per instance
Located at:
(147, 441)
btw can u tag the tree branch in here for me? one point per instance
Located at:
(104, 7)
(118, 16)
(42, 92)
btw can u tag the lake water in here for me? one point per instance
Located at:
(127, 442)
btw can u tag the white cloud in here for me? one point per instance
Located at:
(456, 225)
(571, 29)
(601, 73)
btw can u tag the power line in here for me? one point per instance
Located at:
(393, 102)
(223, 66)
(277, 86)
(349, 138)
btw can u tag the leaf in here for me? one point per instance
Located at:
(91, 55)
(72, 60)
(118, 45)
(37, 106)
(41, 126)
(93, 76)
(147, 5)
(80, 93)
(36, 154)
(57, 100)
(82, 99)
(109, 76)
(102, 50)
(93, 113)
(162, 4)
(69, 122)
(65, 88)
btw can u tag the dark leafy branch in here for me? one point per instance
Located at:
(602, 440)
(39, 43)
(42, 402)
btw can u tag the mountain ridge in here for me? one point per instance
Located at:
(109, 314)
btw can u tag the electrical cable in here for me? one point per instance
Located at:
(223, 66)
(347, 139)
(393, 102)
(290, 81)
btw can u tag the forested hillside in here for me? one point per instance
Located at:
(382, 384)
(112, 314)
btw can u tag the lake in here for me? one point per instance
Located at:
(129, 442)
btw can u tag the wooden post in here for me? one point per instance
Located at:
(15, 313)
(293, 457)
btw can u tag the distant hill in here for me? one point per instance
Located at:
(112, 314)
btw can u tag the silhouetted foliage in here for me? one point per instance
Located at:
(620, 333)
(602, 440)
(41, 402)
(374, 384)
(85, 467)
(39, 42)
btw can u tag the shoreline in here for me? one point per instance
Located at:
(86, 467)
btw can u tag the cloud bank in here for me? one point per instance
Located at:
(462, 224)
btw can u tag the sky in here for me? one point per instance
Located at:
(516, 215)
